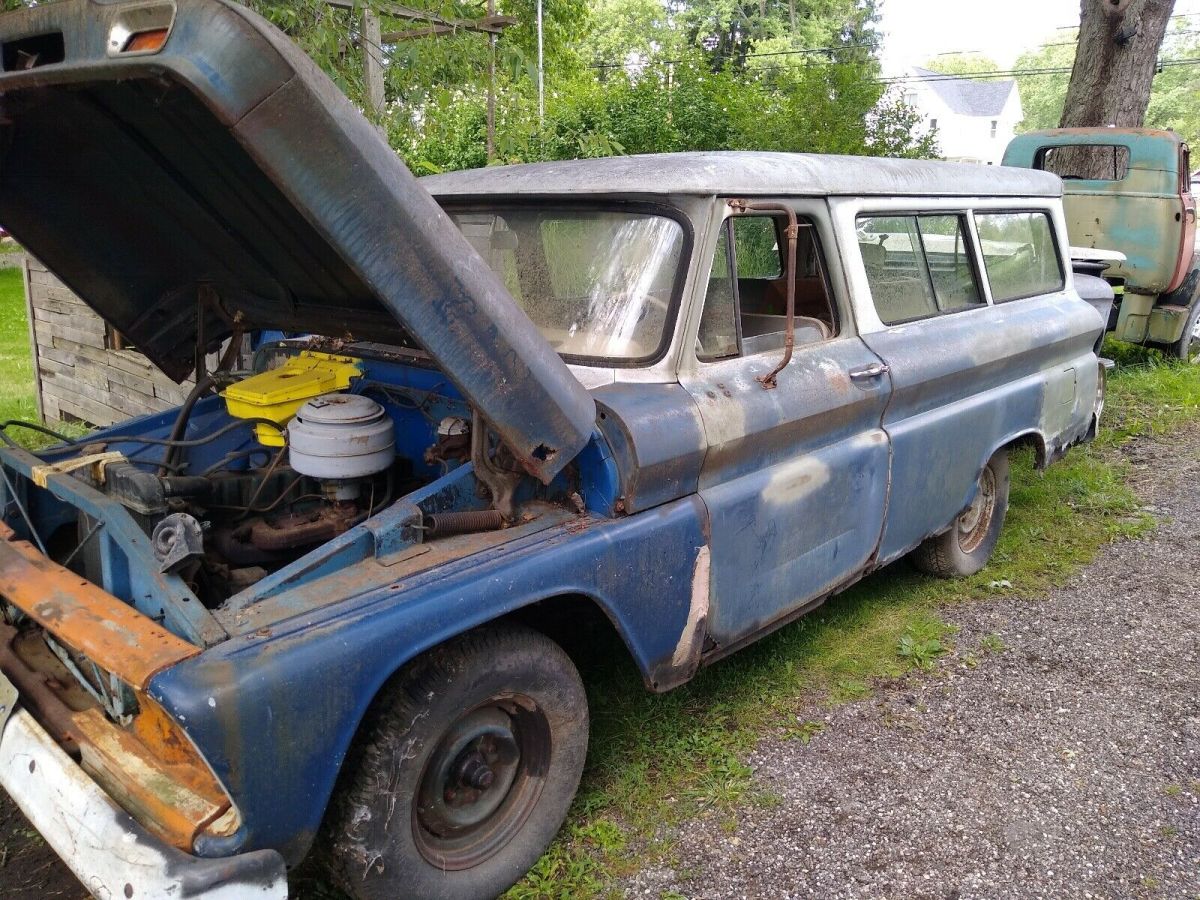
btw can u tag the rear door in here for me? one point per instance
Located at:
(967, 374)
(795, 477)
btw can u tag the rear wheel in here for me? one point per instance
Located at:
(463, 773)
(967, 546)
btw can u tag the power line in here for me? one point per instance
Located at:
(807, 51)
(802, 51)
(1190, 15)
(1012, 73)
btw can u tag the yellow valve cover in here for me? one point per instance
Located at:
(279, 393)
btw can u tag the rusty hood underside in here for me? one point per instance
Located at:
(225, 182)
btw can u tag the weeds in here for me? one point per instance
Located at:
(803, 732)
(991, 643)
(919, 649)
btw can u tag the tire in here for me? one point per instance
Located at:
(463, 772)
(1187, 348)
(967, 546)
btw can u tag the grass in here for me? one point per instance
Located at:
(16, 363)
(657, 760)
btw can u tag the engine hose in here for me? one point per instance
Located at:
(203, 386)
(446, 523)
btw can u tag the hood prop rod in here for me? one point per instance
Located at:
(792, 232)
(501, 484)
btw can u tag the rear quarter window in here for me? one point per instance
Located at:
(1087, 162)
(1020, 255)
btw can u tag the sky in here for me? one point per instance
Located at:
(914, 31)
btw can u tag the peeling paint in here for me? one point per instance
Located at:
(796, 480)
(693, 631)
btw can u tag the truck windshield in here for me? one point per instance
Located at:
(599, 284)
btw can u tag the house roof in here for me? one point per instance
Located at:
(741, 173)
(967, 96)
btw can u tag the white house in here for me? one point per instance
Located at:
(974, 119)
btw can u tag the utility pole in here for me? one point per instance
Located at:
(491, 103)
(541, 69)
(422, 24)
(373, 60)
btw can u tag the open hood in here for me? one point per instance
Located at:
(218, 178)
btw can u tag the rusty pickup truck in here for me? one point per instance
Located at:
(1129, 190)
(315, 608)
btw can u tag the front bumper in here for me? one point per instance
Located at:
(106, 849)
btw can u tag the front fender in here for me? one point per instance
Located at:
(274, 711)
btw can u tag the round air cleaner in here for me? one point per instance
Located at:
(341, 436)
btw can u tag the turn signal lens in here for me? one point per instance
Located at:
(146, 41)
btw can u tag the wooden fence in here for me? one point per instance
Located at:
(82, 374)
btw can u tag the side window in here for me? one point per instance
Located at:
(947, 254)
(758, 248)
(745, 309)
(917, 266)
(1019, 254)
(718, 336)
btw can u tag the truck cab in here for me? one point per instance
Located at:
(1129, 190)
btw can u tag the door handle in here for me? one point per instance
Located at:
(873, 370)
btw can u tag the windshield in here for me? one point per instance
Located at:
(597, 283)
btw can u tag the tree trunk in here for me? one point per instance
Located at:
(1115, 63)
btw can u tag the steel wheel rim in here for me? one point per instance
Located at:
(973, 525)
(481, 782)
(1193, 349)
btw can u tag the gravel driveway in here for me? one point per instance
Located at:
(1065, 765)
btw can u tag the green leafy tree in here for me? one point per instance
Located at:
(793, 75)
(963, 64)
(1044, 88)
(625, 30)
(1173, 97)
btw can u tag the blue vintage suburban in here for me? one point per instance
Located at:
(318, 608)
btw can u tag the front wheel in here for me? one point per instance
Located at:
(967, 546)
(1187, 347)
(463, 772)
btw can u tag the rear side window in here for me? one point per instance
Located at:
(917, 266)
(1019, 254)
(1088, 162)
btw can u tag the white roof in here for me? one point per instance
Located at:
(744, 173)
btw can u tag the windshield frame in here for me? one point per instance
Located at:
(498, 203)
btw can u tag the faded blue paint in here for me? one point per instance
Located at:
(956, 399)
(656, 441)
(795, 480)
(129, 568)
(286, 699)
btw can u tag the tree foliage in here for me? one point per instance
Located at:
(1173, 97)
(963, 64)
(622, 76)
(644, 76)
